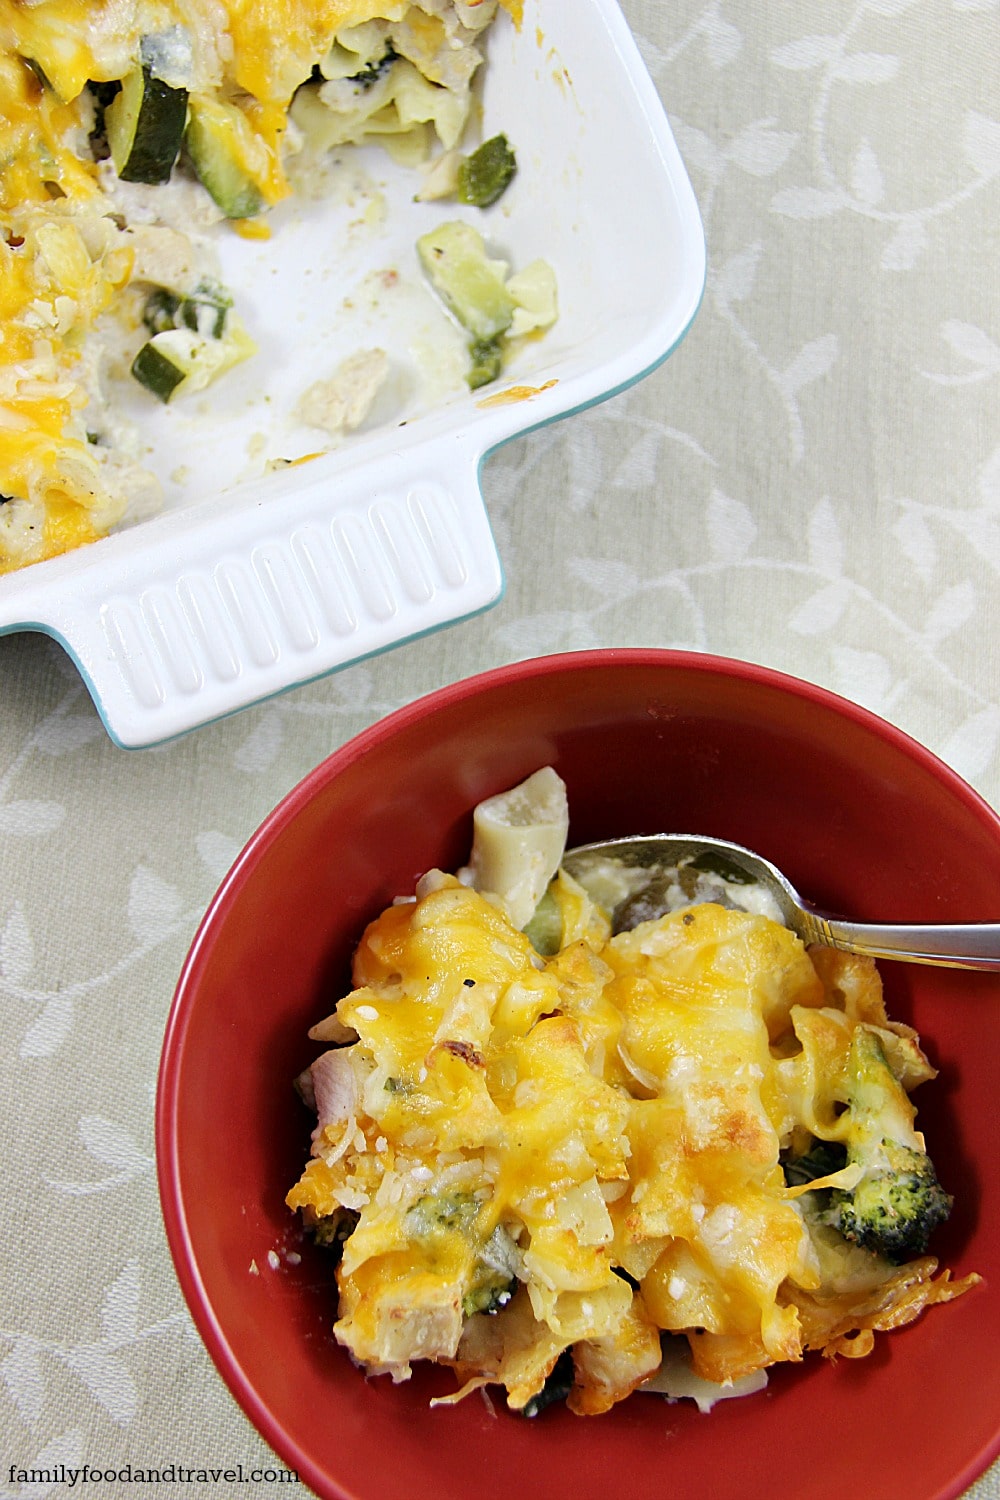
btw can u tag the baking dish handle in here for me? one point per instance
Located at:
(242, 607)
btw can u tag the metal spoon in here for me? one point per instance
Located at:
(974, 945)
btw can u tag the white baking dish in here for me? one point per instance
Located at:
(251, 581)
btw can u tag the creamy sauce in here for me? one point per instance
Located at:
(640, 892)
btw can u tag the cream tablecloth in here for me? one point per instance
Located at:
(812, 482)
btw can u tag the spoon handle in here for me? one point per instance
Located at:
(960, 946)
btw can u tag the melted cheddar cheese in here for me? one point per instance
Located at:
(67, 249)
(583, 1153)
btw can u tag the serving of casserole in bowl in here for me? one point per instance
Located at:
(475, 1173)
(277, 279)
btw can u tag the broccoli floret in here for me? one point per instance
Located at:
(434, 1215)
(334, 1230)
(821, 1160)
(370, 74)
(898, 1202)
(488, 1295)
(557, 1387)
(494, 1278)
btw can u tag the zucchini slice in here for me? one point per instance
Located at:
(182, 360)
(220, 144)
(470, 284)
(157, 371)
(145, 126)
(204, 310)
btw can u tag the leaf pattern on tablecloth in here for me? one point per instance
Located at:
(262, 744)
(65, 1451)
(109, 1144)
(905, 245)
(153, 905)
(975, 348)
(30, 1370)
(47, 1034)
(217, 851)
(731, 528)
(22, 1375)
(974, 743)
(26, 819)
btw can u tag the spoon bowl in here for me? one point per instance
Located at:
(641, 875)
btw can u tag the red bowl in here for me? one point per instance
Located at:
(863, 820)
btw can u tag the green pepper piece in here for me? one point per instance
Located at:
(205, 310)
(544, 931)
(486, 362)
(486, 173)
(160, 312)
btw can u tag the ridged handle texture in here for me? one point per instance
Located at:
(309, 581)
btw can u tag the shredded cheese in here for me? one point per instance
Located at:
(614, 1119)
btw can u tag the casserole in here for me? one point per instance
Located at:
(863, 819)
(267, 566)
